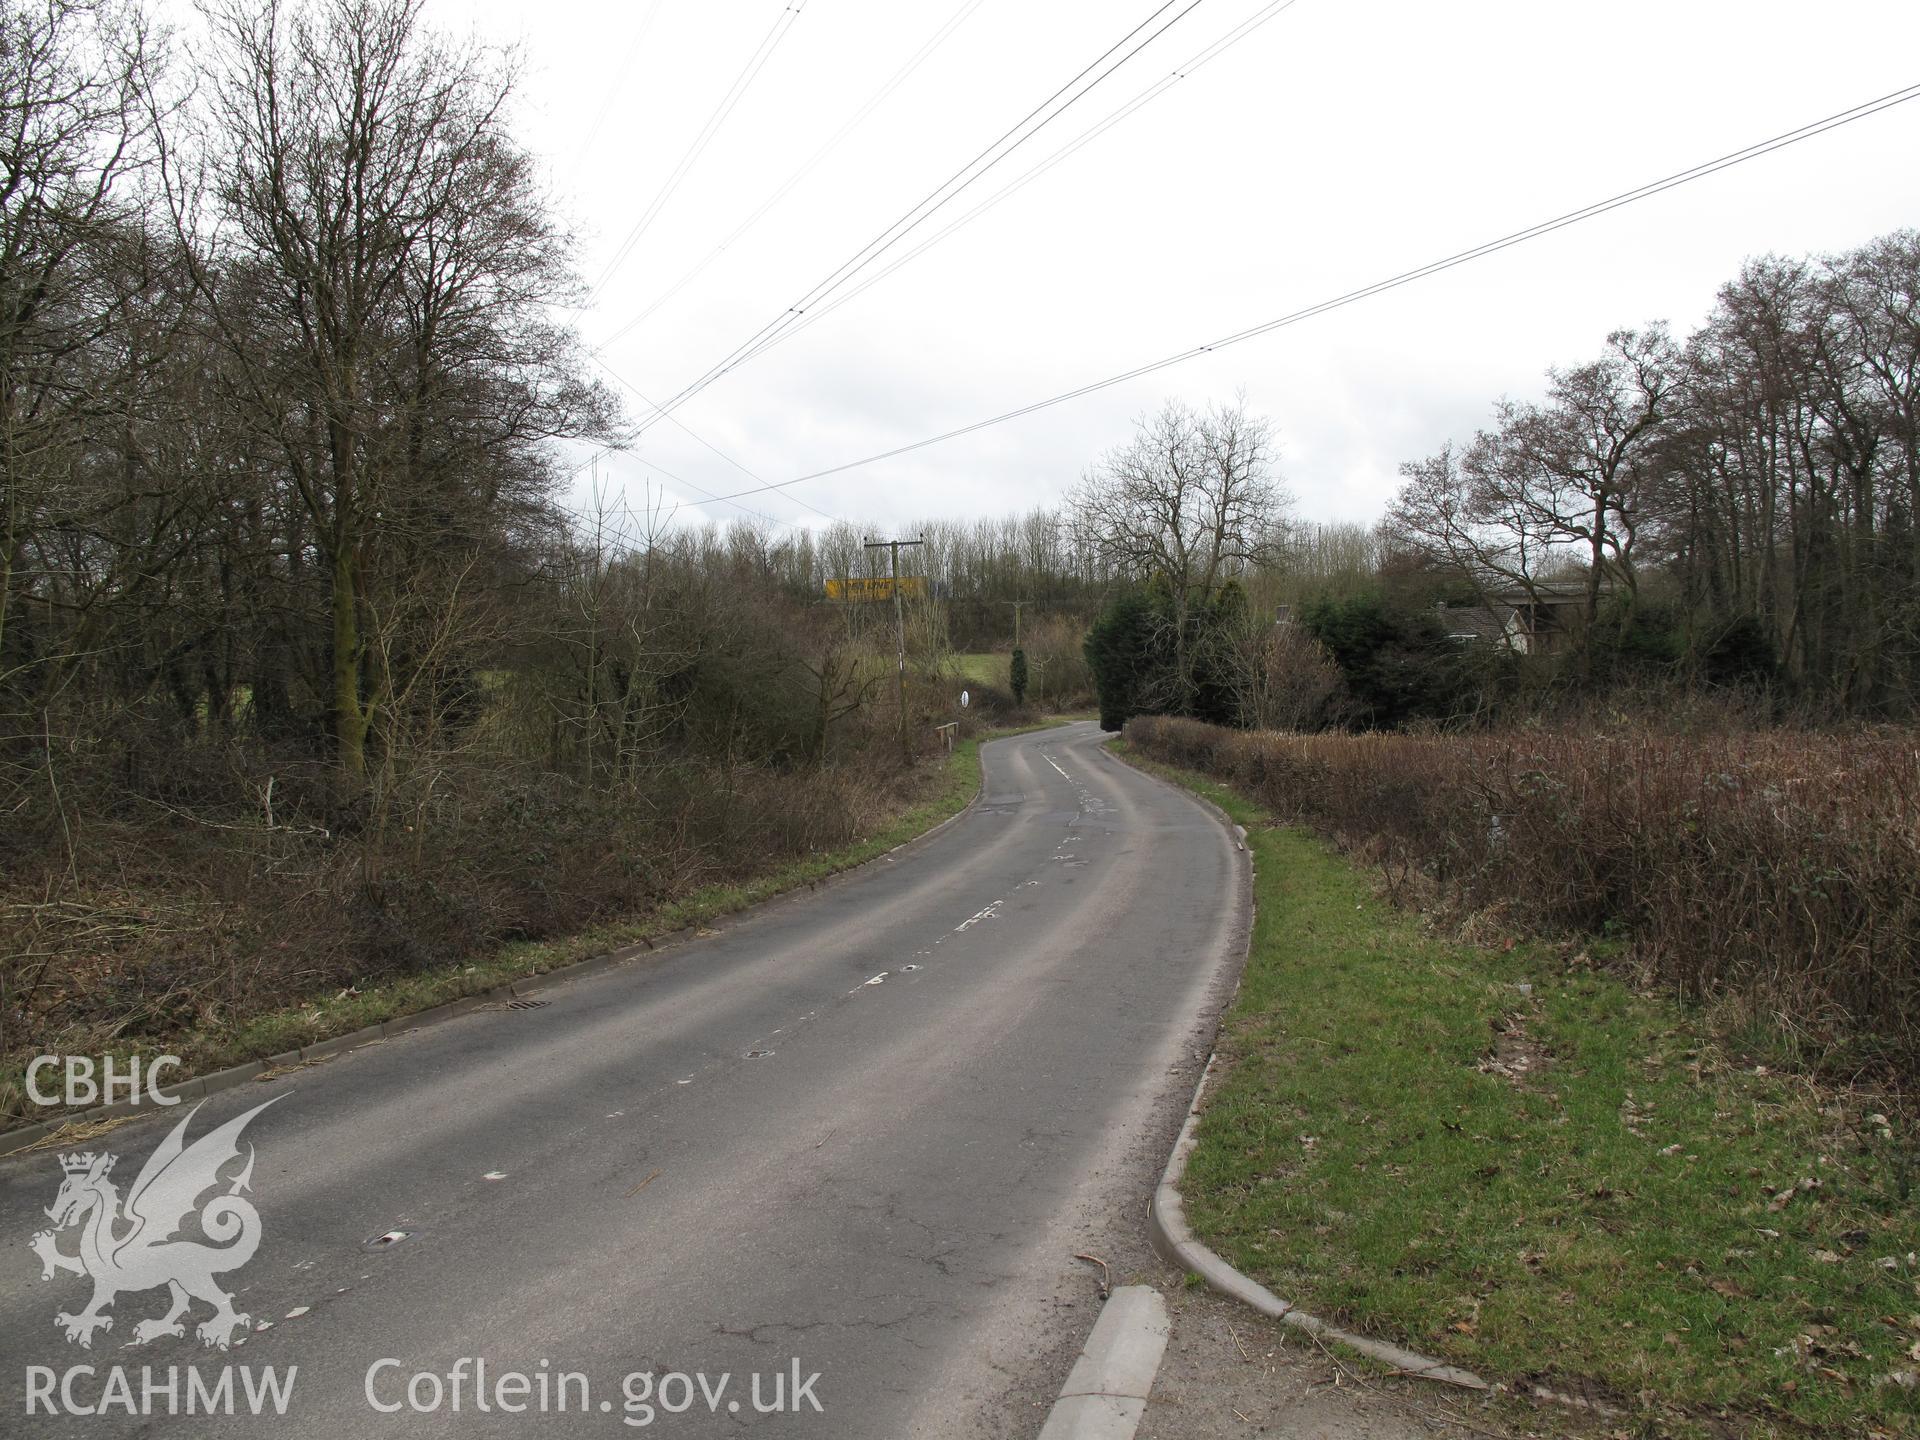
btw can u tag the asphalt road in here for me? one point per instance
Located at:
(863, 1130)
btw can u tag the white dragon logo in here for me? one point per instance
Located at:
(136, 1248)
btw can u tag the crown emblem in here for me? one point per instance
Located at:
(129, 1246)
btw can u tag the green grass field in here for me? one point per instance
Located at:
(983, 669)
(1512, 1160)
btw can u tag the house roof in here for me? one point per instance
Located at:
(1477, 622)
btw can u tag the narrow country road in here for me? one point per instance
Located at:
(864, 1129)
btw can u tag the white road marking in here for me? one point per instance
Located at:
(986, 914)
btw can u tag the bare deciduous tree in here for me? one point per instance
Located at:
(1189, 502)
(1280, 676)
(75, 131)
(1551, 483)
(379, 263)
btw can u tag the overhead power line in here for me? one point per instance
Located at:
(1017, 135)
(749, 72)
(1085, 137)
(853, 122)
(1405, 277)
(597, 515)
(613, 89)
(711, 498)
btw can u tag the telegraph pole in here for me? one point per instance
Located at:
(1016, 662)
(900, 630)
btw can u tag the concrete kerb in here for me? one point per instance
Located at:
(200, 1086)
(1106, 1391)
(1174, 1241)
(27, 1135)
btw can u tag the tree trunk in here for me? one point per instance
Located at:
(349, 714)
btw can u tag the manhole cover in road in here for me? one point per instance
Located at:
(758, 1054)
(387, 1241)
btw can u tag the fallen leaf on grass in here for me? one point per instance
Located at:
(1780, 1201)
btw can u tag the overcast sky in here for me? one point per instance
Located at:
(1339, 143)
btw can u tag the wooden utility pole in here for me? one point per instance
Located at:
(900, 628)
(1017, 604)
(1018, 658)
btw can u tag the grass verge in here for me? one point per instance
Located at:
(258, 1037)
(1511, 1160)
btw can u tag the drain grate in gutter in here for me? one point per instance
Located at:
(525, 1004)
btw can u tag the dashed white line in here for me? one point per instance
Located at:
(972, 920)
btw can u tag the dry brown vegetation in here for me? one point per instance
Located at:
(319, 682)
(144, 915)
(1776, 870)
